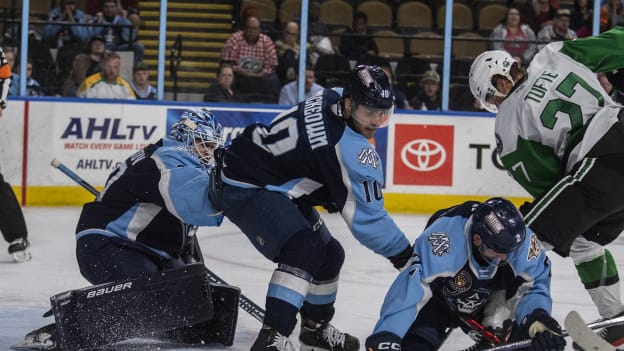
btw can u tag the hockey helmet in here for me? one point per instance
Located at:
(199, 130)
(369, 86)
(483, 69)
(499, 224)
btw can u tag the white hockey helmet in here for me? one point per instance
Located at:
(484, 67)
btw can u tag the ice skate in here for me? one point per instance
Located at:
(327, 337)
(19, 250)
(271, 340)
(43, 338)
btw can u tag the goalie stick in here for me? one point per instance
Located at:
(575, 328)
(244, 302)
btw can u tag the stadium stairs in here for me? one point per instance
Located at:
(204, 27)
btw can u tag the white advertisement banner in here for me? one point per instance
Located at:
(437, 154)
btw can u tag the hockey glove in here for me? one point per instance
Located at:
(385, 341)
(400, 260)
(542, 329)
(617, 79)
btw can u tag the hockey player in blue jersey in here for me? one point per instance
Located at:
(143, 223)
(316, 153)
(465, 255)
(148, 212)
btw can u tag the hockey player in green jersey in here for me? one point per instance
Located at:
(561, 137)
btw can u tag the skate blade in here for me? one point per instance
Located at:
(34, 346)
(22, 256)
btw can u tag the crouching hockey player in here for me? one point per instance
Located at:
(465, 258)
(136, 242)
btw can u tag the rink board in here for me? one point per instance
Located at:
(431, 160)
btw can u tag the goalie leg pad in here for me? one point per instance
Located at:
(136, 307)
(221, 328)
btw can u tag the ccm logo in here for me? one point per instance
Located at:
(389, 346)
(110, 289)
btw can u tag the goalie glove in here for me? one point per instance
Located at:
(542, 329)
(400, 260)
(383, 341)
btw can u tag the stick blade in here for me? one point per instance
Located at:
(583, 336)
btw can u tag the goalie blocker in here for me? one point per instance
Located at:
(177, 304)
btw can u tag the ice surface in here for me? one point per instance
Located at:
(25, 288)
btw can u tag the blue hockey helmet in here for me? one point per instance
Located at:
(499, 224)
(200, 131)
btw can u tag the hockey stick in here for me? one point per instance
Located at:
(76, 178)
(244, 303)
(593, 326)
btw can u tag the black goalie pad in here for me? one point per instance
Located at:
(221, 328)
(137, 307)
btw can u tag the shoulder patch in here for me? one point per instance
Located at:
(440, 243)
(368, 156)
(534, 248)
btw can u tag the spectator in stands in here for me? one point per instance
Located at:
(516, 36)
(223, 89)
(400, 99)
(559, 30)
(581, 18)
(318, 34)
(357, 42)
(66, 35)
(33, 88)
(140, 83)
(614, 13)
(125, 8)
(539, 13)
(428, 99)
(84, 65)
(60, 33)
(107, 84)
(254, 59)
(120, 35)
(289, 93)
(288, 53)
(316, 26)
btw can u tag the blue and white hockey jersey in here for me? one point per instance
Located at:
(310, 155)
(444, 266)
(156, 197)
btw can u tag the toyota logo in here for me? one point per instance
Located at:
(428, 155)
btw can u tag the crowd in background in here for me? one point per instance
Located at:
(78, 52)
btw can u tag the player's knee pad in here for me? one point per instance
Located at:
(332, 262)
(583, 250)
(304, 250)
(134, 307)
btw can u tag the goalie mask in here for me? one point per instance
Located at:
(483, 69)
(200, 132)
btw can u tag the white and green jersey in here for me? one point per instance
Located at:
(559, 111)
